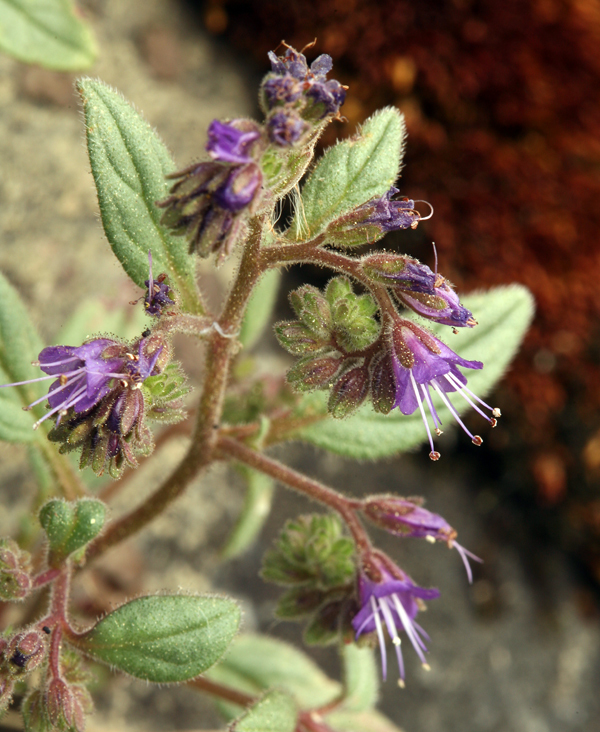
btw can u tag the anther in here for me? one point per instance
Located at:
(493, 421)
(438, 431)
(430, 539)
(124, 382)
(35, 363)
(401, 683)
(477, 440)
(496, 412)
(435, 455)
(396, 641)
(63, 379)
(426, 667)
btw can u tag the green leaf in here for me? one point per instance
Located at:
(70, 526)
(368, 721)
(361, 678)
(46, 32)
(92, 317)
(275, 712)
(260, 308)
(129, 164)
(352, 172)
(256, 662)
(19, 346)
(504, 315)
(257, 506)
(165, 638)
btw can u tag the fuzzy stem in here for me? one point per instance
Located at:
(346, 507)
(201, 450)
(45, 578)
(222, 692)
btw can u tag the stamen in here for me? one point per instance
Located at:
(477, 440)
(392, 630)
(76, 397)
(436, 420)
(64, 380)
(464, 553)
(380, 637)
(494, 410)
(425, 422)
(408, 627)
(46, 396)
(56, 363)
(453, 411)
(401, 683)
(451, 379)
(424, 218)
(434, 455)
(430, 539)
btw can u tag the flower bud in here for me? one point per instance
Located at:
(33, 710)
(297, 339)
(440, 305)
(25, 651)
(314, 373)
(383, 383)
(312, 309)
(285, 128)
(402, 272)
(15, 571)
(7, 687)
(64, 706)
(348, 392)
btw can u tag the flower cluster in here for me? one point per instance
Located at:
(296, 96)
(211, 202)
(344, 349)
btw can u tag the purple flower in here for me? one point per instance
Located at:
(400, 271)
(293, 83)
(421, 362)
(285, 128)
(210, 204)
(407, 518)
(390, 214)
(440, 305)
(392, 603)
(158, 292)
(230, 144)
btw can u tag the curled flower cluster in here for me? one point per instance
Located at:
(295, 95)
(211, 202)
(344, 349)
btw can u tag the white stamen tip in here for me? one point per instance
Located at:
(396, 641)
(426, 667)
(36, 425)
(430, 539)
(26, 409)
(35, 363)
(477, 440)
(496, 412)
(438, 431)
(401, 684)
(435, 455)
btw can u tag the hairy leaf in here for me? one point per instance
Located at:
(46, 32)
(504, 315)
(129, 164)
(361, 678)
(352, 172)
(164, 638)
(19, 346)
(276, 711)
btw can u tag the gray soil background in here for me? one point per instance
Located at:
(504, 657)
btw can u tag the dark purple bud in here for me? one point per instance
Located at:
(292, 63)
(348, 392)
(239, 189)
(327, 96)
(228, 143)
(314, 373)
(402, 272)
(64, 705)
(281, 90)
(285, 127)
(26, 651)
(157, 297)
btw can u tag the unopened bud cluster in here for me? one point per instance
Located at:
(315, 561)
(15, 571)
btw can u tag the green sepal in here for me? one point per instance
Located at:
(354, 325)
(70, 526)
(276, 711)
(351, 173)
(49, 33)
(164, 394)
(311, 550)
(163, 638)
(314, 372)
(297, 339)
(129, 164)
(312, 309)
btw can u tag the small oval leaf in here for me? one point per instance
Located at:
(70, 526)
(167, 638)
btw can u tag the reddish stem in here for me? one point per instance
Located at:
(223, 692)
(45, 578)
(346, 507)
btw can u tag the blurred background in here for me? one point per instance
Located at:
(502, 111)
